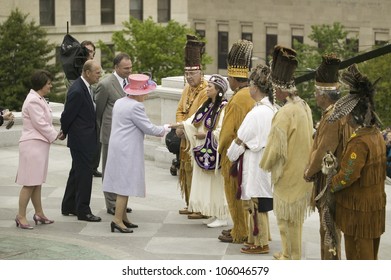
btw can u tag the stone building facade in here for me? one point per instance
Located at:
(221, 22)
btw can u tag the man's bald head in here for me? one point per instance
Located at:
(92, 71)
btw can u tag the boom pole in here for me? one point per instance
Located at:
(346, 63)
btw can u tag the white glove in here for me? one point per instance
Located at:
(167, 128)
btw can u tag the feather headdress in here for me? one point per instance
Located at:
(284, 64)
(360, 98)
(326, 76)
(239, 59)
(194, 50)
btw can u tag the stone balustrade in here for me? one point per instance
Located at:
(160, 106)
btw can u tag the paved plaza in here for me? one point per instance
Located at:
(163, 234)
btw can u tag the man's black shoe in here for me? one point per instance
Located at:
(111, 211)
(96, 173)
(69, 213)
(89, 218)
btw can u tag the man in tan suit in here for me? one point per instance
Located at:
(107, 92)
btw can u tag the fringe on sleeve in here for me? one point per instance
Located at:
(275, 154)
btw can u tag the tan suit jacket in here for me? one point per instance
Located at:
(107, 92)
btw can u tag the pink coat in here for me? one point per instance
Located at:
(37, 119)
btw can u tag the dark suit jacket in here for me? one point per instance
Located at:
(107, 92)
(78, 120)
(1, 117)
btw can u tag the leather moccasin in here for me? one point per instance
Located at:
(255, 250)
(226, 238)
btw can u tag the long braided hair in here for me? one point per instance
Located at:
(260, 76)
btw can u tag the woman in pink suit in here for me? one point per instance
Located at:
(37, 135)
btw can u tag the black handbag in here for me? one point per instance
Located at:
(173, 142)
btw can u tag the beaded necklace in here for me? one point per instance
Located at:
(206, 115)
(192, 96)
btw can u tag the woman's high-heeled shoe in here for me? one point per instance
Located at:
(129, 224)
(121, 230)
(42, 220)
(22, 226)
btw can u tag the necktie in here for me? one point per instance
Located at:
(92, 97)
(124, 83)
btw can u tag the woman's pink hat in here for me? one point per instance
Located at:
(139, 84)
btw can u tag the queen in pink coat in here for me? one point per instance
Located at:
(37, 135)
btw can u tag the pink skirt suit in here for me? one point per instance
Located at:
(37, 135)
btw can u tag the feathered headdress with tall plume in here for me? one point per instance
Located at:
(283, 66)
(194, 50)
(326, 76)
(239, 59)
(360, 98)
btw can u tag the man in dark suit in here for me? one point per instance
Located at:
(78, 122)
(107, 92)
(73, 61)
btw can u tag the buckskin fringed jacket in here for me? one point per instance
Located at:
(359, 185)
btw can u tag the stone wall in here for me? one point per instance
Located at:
(160, 106)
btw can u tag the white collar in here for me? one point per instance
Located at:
(120, 80)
